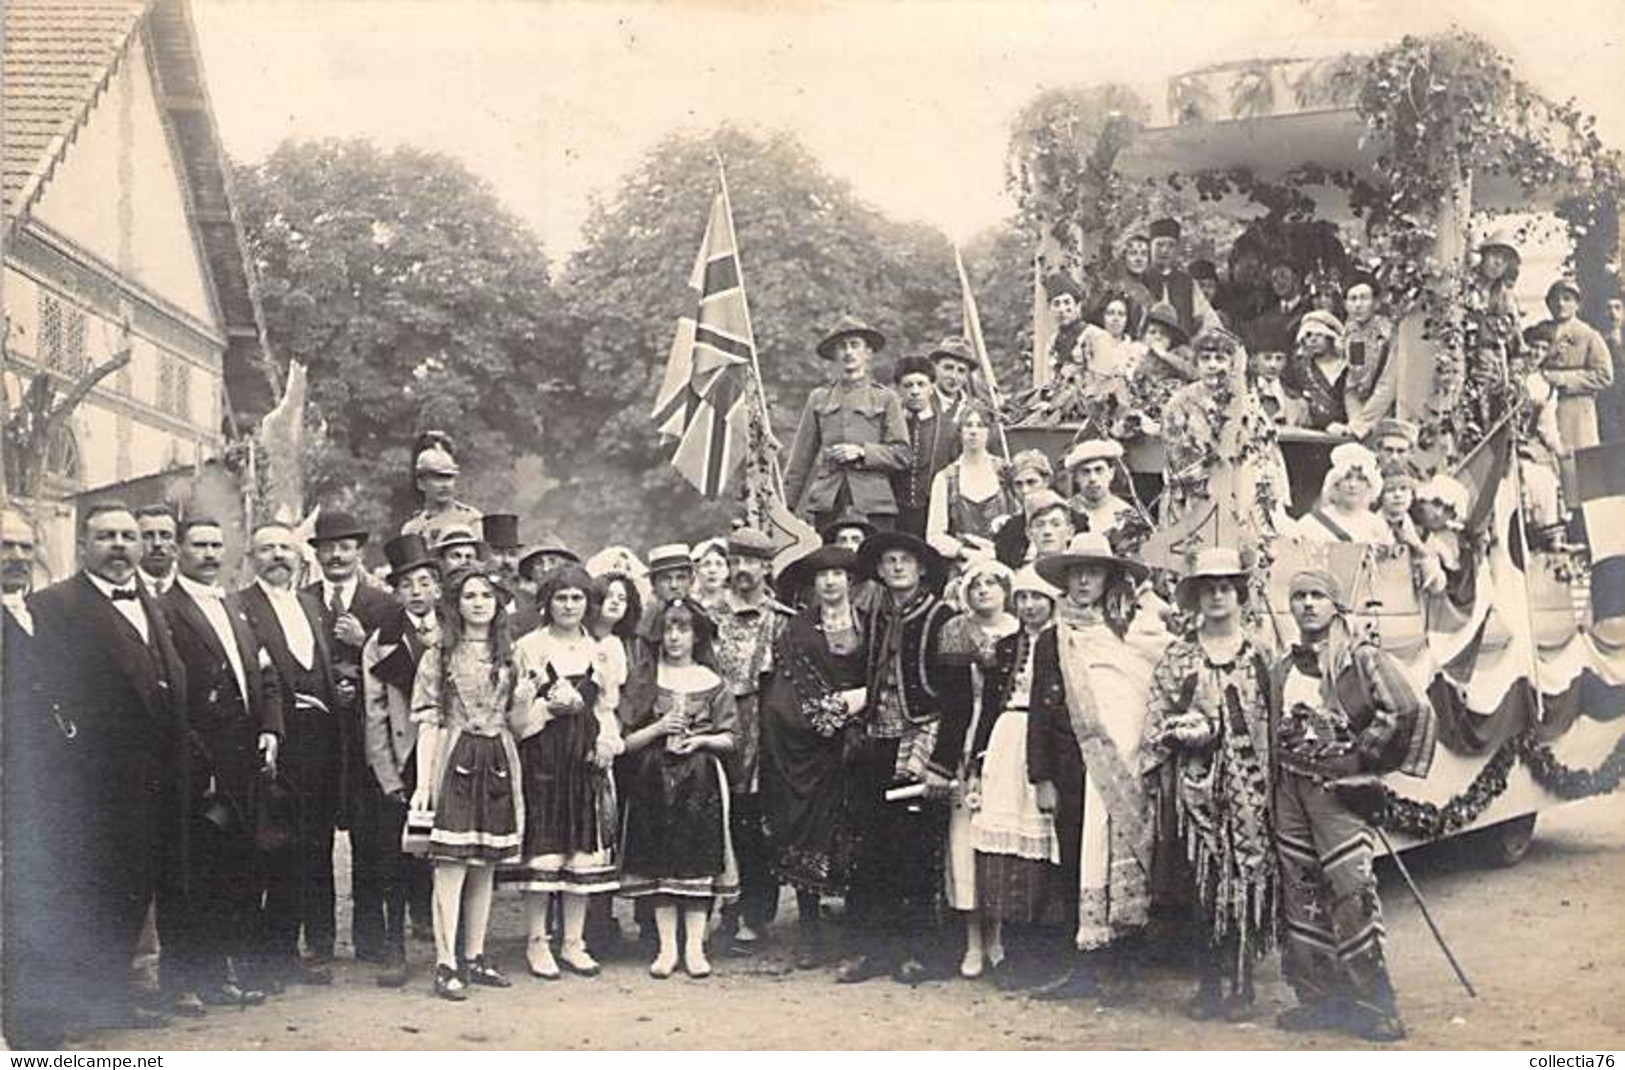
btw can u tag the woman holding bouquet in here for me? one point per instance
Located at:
(678, 715)
(809, 712)
(564, 715)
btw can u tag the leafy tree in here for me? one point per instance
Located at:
(810, 251)
(415, 300)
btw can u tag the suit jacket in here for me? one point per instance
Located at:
(263, 620)
(119, 771)
(226, 722)
(933, 445)
(866, 414)
(372, 607)
(389, 664)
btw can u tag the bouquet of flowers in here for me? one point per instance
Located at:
(827, 713)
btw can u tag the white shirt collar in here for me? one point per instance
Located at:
(276, 593)
(132, 585)
(198, 590)
(346, 589)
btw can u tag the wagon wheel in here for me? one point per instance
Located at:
(1506, 842)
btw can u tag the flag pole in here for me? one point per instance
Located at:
(744, 302)
(973, 331)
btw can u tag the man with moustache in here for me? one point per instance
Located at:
(299, 893)
(234, 708)
(389, 666)
(104, 779)
(851, 438)
(933, 442)
(351, 611)
(158, 532)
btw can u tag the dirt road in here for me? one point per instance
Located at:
(1543, 942)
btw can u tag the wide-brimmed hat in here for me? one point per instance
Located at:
(670, 556)
(953, 348)
(1166, 316)
(849, 519)
(796, 576)
(850, 325)
(549, 543)
(933, 563)
(501, 530)
(1212, 563)
(335, 524)
(1087, 548)
(407, 552)
(455, 535)
(435, 461)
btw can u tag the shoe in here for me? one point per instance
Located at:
(480, 972)
(187, 1004)
(663, 967)
(1240, 1007)
(1079, 984)
(911, 971)
(578, 962)
(972, 965)
(1318, 1017)
(696, 965)
(539, 957)
(861, 969)
(1378, 1027)
(230, 995)
(448, 985)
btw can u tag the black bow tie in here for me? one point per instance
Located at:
(120, 594)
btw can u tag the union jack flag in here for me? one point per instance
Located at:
(705, 401)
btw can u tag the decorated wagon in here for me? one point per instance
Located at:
(1400, 160)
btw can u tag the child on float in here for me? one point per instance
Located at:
(1540, 439)
(468, 774)
(1441, 506)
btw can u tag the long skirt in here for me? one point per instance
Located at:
(478, 808)
(569, 812)
(1015, 842)
(804, 802)
(675, 839)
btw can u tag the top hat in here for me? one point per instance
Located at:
(1166, 316)
(953, 348)
(1214, 562)
(335, 524)
(501, 530)
(407, 552)
(933, 563)
(850, 325)
(1088, 548)
(849, 519)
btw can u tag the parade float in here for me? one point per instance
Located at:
(1395, 164)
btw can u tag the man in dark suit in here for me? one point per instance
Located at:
(234, 708)
(933, 441)
(299, 891)
(353, 609)
(106, 774)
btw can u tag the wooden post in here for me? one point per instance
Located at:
(1418, 357)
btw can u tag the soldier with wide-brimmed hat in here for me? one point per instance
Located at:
(1578, 364)
(851, 437)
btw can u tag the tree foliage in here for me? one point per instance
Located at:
(415, 300)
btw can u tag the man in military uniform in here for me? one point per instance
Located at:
(851, 437)
(748, 621)
(933, 442)
(436, 477)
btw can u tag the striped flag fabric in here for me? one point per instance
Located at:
(1600, 474)
(704, 401)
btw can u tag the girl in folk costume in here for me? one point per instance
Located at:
(1013, 838)
(564, 716)
(1083, 740)
(678, 715)
(1343, 513)
(468, 773)
(809, 715)
(971, 637)
(969, 496)
(711, 572)
(1206, 758)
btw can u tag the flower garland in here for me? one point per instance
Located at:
(1429, 821)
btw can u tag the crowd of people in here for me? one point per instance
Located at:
(973, 699)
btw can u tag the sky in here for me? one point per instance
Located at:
(908, 100)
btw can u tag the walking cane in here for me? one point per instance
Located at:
(1416, 893)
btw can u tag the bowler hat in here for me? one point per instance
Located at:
(953, 348)
(1166, 316)
(913, 364)
(501, 530)
(933, 563)
(1213, 563)
(849, 519)
(335, 524)
(850, 325)
(407, 552)
(1085, 549)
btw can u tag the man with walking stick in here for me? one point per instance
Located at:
(1343, 717)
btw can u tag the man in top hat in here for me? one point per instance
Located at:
(234, 708)
(851, 437)
(389, 664)
(500, 532)
(1093, 464)
(918, 711)
(1088, 705)
(955, 363)
(352, 609)
(749, 621)
(105, 775)
(1578, 366)
(457, 547)
(435, 474)
(1343, 716)
(933, 442)
(289, 625)
(1167, 281)
(1066, 304)
(159, 530)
